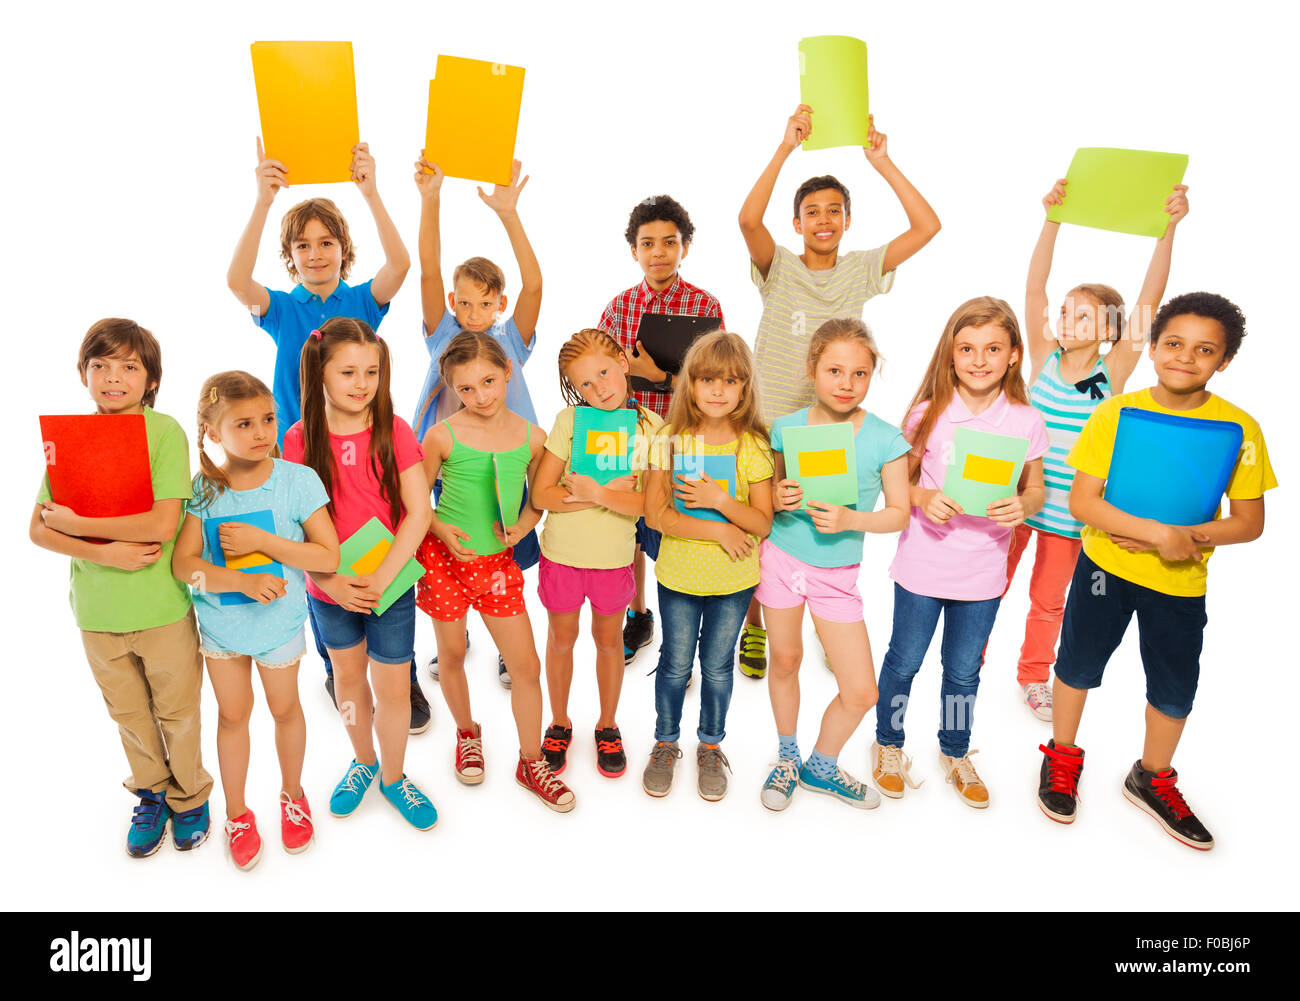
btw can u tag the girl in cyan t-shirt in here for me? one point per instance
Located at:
(707, 567)
(813, 557)
(484, 454)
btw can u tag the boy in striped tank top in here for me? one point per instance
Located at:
(1069, 377)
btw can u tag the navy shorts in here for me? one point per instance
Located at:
(1170, 631)
(389, 638)
(648, 539)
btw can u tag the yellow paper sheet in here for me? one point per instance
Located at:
(248, 560)
(982, 469)
(307, 99)
(473, 118)
(369, 563)
(831, 462)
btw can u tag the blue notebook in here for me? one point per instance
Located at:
(249, 563)
(721, 468)
(1169, 468)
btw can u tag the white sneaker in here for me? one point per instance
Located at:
(503, 675)
(1038, 697)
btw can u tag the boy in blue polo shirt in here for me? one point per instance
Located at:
(476, 302)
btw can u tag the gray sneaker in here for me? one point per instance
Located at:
(712, 781)
(658, 776)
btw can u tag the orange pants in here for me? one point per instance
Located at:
(1054, 560)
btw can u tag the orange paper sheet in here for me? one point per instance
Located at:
(307, 99)
(473, 118)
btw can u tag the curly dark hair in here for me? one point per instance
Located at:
(820, 183)
(659, 208)
(1211, 306)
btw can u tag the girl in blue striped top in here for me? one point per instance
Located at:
(1069, 377)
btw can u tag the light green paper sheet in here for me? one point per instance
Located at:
(833, 82)
(361, 554)
(824, 459)
(1122, 190)
(983, 468)
(602, 442)
(509, 498)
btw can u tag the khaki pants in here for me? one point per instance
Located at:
(151, 681)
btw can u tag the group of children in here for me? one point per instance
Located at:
(736, 563)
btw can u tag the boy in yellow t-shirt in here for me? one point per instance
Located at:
(1137, 565)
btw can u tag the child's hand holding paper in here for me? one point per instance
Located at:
(788, 496)
(701, 492)
(240, 538)
(830, 518)
(1009, 511)
(263, 588)
(939, 507)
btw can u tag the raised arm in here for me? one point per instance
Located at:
(388, 279)
(433, 301)
(1124, 356)
(759, 242)
(1038, 324)
(922, 221)
(504, 202)
(271, 176)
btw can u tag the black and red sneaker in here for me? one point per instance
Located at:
(1157, 793)
(611, 761)
(555, 746)
(1058, 782)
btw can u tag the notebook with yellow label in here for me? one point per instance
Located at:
(983, 468)
(362, 553)
(824, 459)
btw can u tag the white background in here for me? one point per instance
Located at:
(129, 175)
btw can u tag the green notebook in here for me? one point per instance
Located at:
(984, 468)
(833, 82)
(362, 553)
(1123, 190)
(602, 442)
(824, 459)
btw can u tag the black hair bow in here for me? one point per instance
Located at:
(1092, 386)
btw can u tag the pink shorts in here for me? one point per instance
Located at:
(830, 593)
(562, 589)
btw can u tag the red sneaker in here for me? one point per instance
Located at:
(297, 832)
(244, 842)
(469, 756)
(537, 777)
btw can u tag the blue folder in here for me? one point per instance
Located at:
(258, 519)
(717, 467)
(1169, 468)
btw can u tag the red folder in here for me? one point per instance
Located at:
(98, 464)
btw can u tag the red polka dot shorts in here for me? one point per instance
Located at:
(491, 585)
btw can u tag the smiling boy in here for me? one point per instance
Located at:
(1131, 565)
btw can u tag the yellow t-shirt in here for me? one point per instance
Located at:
(1251, 476)
(695, 566)
(594, 538)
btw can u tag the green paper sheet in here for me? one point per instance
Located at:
(362, 553)
(833, 82)
(983, 468)
(824, 459)
(602, 442)
(509, 498)
(1122, 190)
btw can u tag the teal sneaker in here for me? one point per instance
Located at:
(843, 786)
(779, 787)
(148, 824)
(411, 803)
(190, 828)
(347, 794)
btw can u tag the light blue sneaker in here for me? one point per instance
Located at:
(190, 828)
(779, 787)
(347, 794)
(411, 803)
(843, 786)
(148, 824)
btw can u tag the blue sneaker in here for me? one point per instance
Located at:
(190, 828)
(779, 787)
(411, 803)
(347, 794)
(843, 786)
(148, 824)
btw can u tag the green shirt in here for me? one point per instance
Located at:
(108, 600)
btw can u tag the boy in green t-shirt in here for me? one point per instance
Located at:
(136, 619)
(1131, 565)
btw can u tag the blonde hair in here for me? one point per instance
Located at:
(719, 354)
(481, 271)
(591, 340)
(218, 392)
(844, 328)
(1110, 302)
(940, 382)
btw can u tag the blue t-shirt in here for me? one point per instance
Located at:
(292, 493)
(877, 442)
(290, 319)
(507, 335)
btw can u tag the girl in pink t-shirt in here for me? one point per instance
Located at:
(951, 561)
(372, 468)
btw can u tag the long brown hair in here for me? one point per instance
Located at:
(466, 346)
(719, 354)
(317, 453)
(218, 392)
(940, 382)
(591, 340)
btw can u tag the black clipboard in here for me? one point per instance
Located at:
(666, 336)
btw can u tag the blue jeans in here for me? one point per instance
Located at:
(966, 628)
(389, 638)
(713, 623)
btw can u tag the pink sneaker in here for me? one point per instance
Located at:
(297, 831)
(244, 842)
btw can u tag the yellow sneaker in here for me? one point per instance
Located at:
(961, 773)
(891, 770)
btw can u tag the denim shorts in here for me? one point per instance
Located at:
(389, 638)
(1170, 630)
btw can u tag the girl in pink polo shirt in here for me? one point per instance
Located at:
(949, 560)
